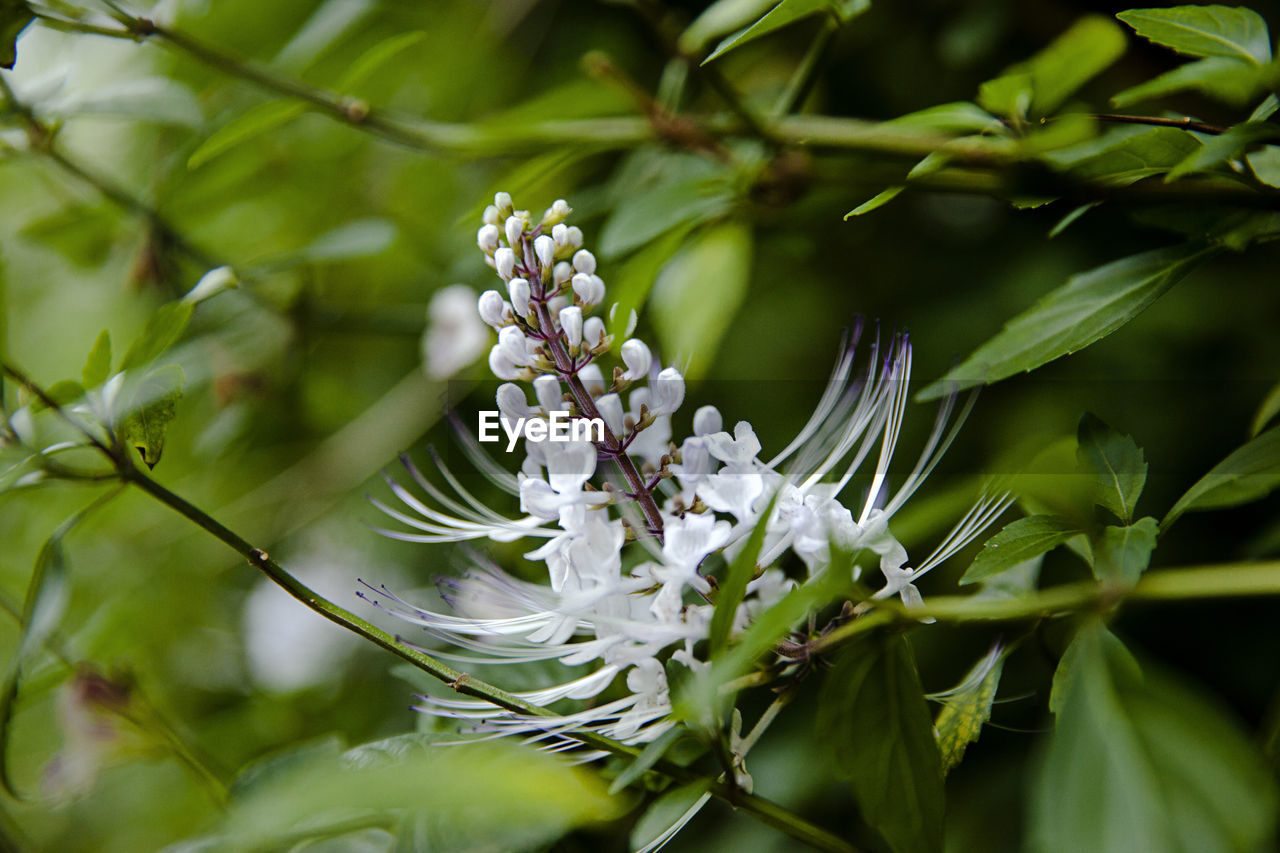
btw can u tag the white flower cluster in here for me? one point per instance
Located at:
(680, 505)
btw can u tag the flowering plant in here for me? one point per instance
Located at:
(679, 508)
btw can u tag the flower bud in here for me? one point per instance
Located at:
(512, 403)
(550, 397)
(545, 248)
(668, 392)
(504, 261)
(502, 201)
(560, 233)
(491, 216)
(593, 331)
(493, 309)
(571, 323)
(487, 239)
(514, 231)
(501, 365)
(610, 408)
(559, 210)
(563, 272)
(584, 261)
(574, 236)
(514, 345)
(211, 284)
(518, 290)
(637, 358)
(592, 379)
(707, 420)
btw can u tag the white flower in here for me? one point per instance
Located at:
(455, 336)
(487, 238)
(589, 502)
(637, 358)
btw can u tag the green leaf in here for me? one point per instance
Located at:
(490, 795)
(360, 238)
(1223, 147)
(1122, 554)
(1116, 463)
(152, 404)
(788, 12)
(1231, 81)
(48, 591)
(733, 585)
(879, 200)
(721, 17)
(251, 124)
(1142, 763)
(874, 720)
(1252, 471)
(376, 57)
(1043, 83)
(652, 752)
(956, 117)
(1018, 542)
(1132, 157)
(1225, 31)
(967, 707)
(162, 331)
(154, 99)
(97, 367)
(1266, 165)
(63, 392)
(14, 18)
(1269, 408)
(635, 278)
(325, 28)
(669, 812)
(1087, 308)
(698, 292)
(80, 233)
(652, 212)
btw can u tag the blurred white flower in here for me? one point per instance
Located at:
(456, 335)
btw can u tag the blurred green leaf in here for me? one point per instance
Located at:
(1018, 542)
(248, 125)
(1123, 553)
(324, 29)
(722, 16)
(698, 293)
(667, 812)
(377, 56)
(1223, 147)
(1228, 80)
(162, 331)
(63, 392)
(1043, 83)
(956, 117)
(360, 238)
(634, 280)
(691, 192)
(1116, 463)
(1088, 307)
(1266, 164)
(1267, 410)
(649, 756)
(732, 585)
(967, 707)
(1252, 471)
(487, 795)
(788, 12)
(1225, 31)
(877, 201)
(151, 405)
(97, 367)
(80, 233)
(1141, 763)
(874, 720)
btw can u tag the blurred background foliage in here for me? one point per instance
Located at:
(307, 380)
